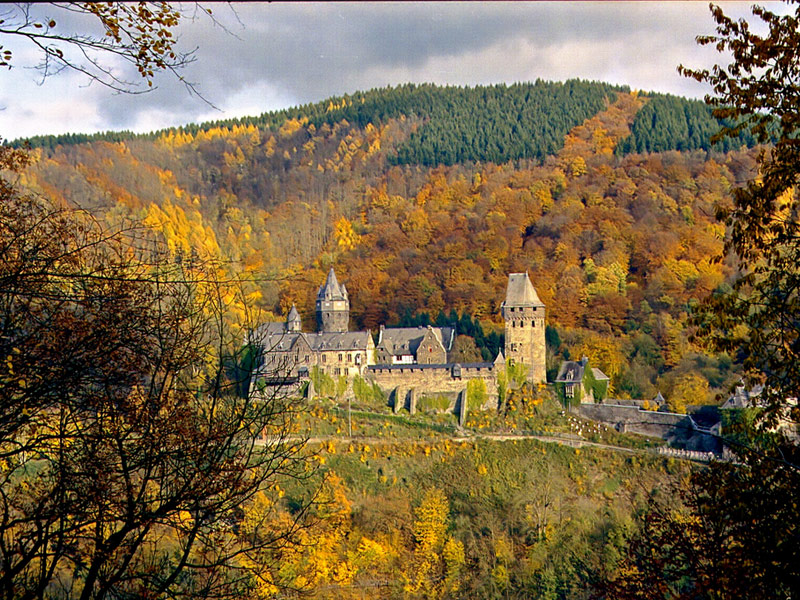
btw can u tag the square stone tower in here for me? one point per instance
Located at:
(523, 314)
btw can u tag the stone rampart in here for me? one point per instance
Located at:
(631, 419)
(432, 379)
(679, 430)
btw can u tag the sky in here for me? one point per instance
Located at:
(257, 57)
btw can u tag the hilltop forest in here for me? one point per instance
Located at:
(424, 198)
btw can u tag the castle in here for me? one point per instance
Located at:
(405, 361)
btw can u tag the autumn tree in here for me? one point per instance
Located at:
(438, 558)
(127, 456)
(735, 531)
(759, 319)
(731, 532)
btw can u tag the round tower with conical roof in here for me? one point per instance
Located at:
(333, 306)
(523, 314)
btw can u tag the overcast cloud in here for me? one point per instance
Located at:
(271, 56)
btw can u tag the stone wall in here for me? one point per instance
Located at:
(630, 419)
(432, 378)
(679, 430)
(404, 384)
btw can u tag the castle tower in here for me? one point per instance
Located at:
(333, 306)
(523, 313)
(293, 322)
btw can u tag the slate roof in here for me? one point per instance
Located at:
(331, 289)
(599, 375)
(270, 329)
(520, 291)
(273, 337)
(293, 314)
(742, 397)
(570, 372)
(348, 340)
(406, 340)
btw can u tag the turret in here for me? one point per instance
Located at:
(333, 306)
(293, 322)
(524, 315)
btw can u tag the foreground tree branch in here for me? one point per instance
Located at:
(132, 41)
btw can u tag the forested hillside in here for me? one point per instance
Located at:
(619, 244)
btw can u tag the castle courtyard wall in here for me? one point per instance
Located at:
(446, 379)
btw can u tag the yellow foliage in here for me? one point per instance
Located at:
(345, 235)
(370, 553)
(454, 561)
(500, 576)
(683, 270)
(577, 166)
(176, 139)
(604, 352)
(690, 388)
(290, 127)
(270, 146)
(431, 523)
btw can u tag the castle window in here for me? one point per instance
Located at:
(340, 357)
(533, 323)
(349, 358)
(513, 323)
(324, 358)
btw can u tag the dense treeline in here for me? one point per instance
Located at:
(70, 139)
(485, 124)
(669, 122)
(499, 123)
(494, 123)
